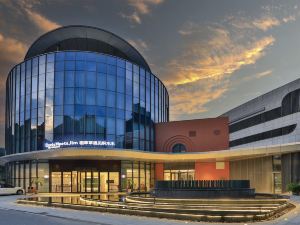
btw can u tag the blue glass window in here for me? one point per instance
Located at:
(90, 96)
(120, 85)
(60, 56)
(80, 55)
(111, 60)
(70, 56)
(101, 68)
(80, 65)
(58, 110)
(59, 94)
(111, 126)
(91, 56)
(120, 127)
(101, 80)
(69, 78)
(100, 111)
(49, 80)
(100, 125)
(101, 97)
(69, 96)
(42, 82)
(50, 58)
(50, 67)
(121, 72)
(59, 66)
(68, 126)
(100, 58)
(120, 101)
(58, 124)
(128, 66)
(79, 96)
(111, 102)
(112, 70)
(69, 110)
(111, 83)
(80, 110)
(91, 66)
(90, 110)
(120, 114)
(90, 124)
(91, 80)
(79, 81)
(120, 63)
(135, 90)
(129, 88)
(70, 65)
(59, 79)
(42, 59)
(110, 112)
(128, 75)
(128, 102)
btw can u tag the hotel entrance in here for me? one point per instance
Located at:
(72, 177)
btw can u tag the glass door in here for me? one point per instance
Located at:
(113, 181)
(81, 183)
(95, 182)
(74, 181)
(88, 181)
(277, 183)
(104, 181)
(56, 182)
(67, 181)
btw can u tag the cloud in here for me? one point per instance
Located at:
(266, 23)
(263, 74)
(201, 73)
(134, 17)
(12, 50)
(40, 21)
(289, 18)
(141, 7)
(139, 44)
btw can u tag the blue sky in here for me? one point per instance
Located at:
(212, 55)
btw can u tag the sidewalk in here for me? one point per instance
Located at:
(8, 203)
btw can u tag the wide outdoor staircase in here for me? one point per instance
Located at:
(219, 210)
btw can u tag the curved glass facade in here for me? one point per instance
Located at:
(82, 99)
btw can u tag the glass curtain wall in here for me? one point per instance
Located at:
(29, 174)
(82, 96)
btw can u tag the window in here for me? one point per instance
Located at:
(178, 148)
(264, 135)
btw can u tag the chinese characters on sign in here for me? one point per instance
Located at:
(54, 145)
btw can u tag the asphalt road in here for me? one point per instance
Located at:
(14, 217)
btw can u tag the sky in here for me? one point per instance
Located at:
(212, 55)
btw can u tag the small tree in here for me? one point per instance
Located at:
(37, 181)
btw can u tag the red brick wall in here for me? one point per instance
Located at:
(211, 134)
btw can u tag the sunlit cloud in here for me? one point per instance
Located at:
(266, 23)
(263, 74)
(200, 74)
(40, 21)
(141, 7)
(12, 50)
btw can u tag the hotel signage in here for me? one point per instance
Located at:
(64, 144)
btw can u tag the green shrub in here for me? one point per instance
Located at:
(294, 188)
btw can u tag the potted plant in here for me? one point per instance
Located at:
(294, 188)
